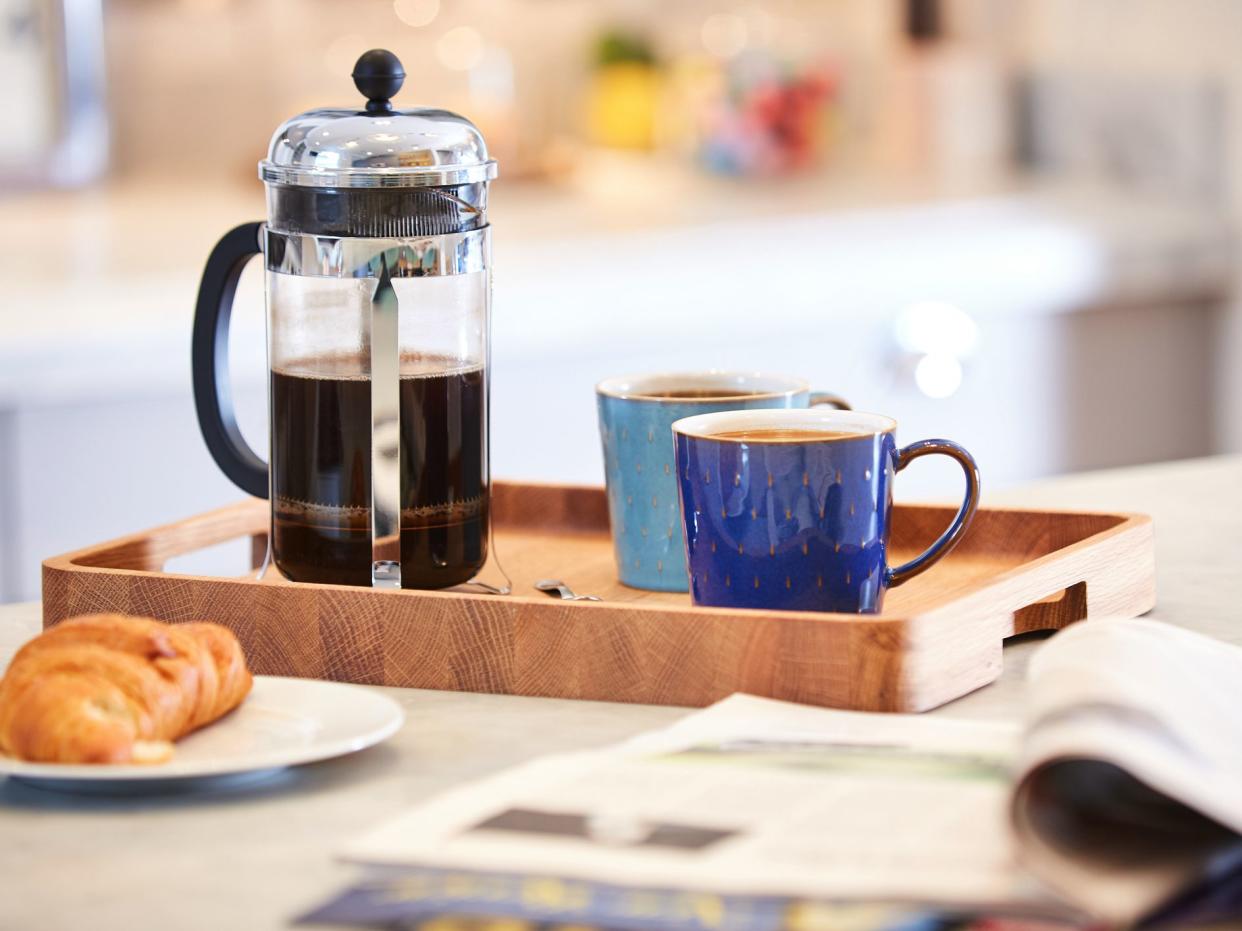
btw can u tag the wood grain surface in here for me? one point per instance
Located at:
(939, 636)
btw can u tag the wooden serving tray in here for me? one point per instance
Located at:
(939, 636)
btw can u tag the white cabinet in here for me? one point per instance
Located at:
(1042, 395)
(78, 473)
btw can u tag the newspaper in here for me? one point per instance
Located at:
(1130, 781)
(754, 797)
(748, 797)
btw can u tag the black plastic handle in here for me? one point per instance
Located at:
(210, 360)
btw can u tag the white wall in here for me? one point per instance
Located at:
(1160, 47)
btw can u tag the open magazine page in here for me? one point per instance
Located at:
(1132, 785)
(749, 797)
(424, 899)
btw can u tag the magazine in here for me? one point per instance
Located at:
(1118, 800)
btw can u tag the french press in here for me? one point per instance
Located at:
(378, 299)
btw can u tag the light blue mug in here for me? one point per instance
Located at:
(636, 415)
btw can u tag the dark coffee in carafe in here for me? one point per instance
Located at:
(321, 455)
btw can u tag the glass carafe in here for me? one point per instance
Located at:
(378, 294)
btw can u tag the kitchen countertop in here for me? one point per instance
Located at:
(100, 296)
(257, 857)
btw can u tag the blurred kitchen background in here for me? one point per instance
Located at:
(1009, 222)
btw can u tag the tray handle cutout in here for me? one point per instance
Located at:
(1060, 609)
(174, 548)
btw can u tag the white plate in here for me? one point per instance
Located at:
(282, 722)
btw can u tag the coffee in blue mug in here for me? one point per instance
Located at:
(791, 509)
(636, 414)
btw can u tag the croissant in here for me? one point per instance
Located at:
(107, 688)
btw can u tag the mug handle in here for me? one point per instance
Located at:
(827, 399)
(961, 521)
(210, 359)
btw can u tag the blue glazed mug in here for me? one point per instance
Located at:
(636, 414)
(791, 510)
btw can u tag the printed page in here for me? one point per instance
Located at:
(749, 797)
(1132, 786)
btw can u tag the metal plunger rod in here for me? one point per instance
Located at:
(385, 435)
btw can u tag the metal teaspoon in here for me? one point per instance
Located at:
(559, 589)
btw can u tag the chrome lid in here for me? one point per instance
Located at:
(377, 146)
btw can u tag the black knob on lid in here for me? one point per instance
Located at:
(378, 75)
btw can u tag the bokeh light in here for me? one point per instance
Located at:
(938, 375)
(460, 49)
(416, 12)
(724, 34)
